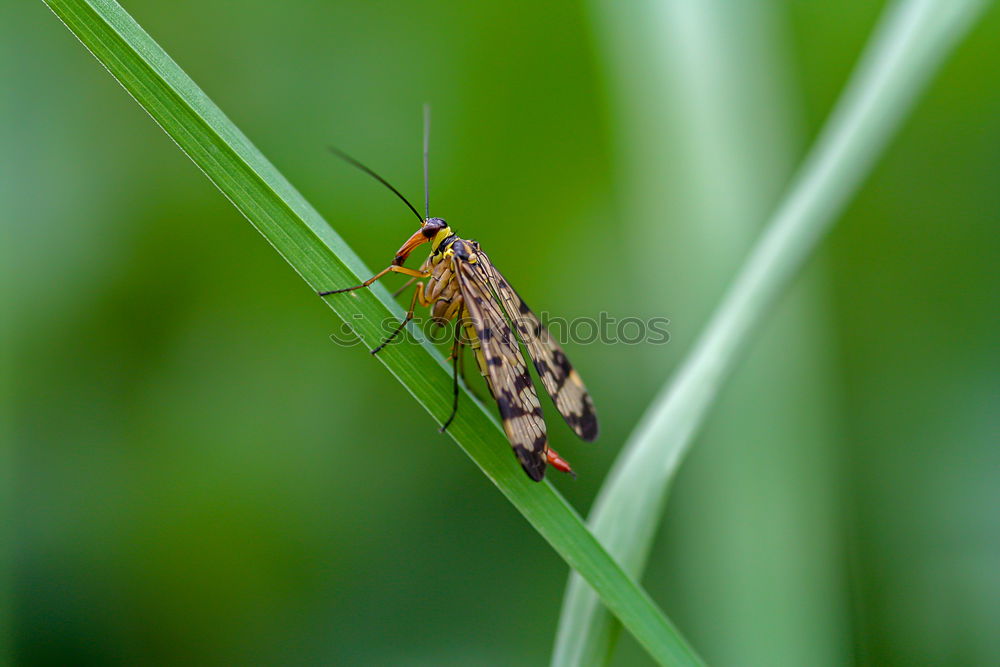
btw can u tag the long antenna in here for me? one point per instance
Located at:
(427, 148)
(351, 161)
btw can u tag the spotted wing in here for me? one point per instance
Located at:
(510, 382)
(558, 376)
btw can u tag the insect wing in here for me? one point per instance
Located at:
(520, 411)
(558, 376)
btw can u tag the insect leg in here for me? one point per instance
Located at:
(456, 355)
(464, 342)
(403, 288)
(418, 295)
(392, 268)
(476, 345)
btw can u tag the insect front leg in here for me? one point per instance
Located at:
(391, 268)
(418, 297)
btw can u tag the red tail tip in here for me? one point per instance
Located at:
(558, 462)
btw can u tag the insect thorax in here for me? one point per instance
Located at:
(442, 240)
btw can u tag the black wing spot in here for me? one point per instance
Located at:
(532, 462)
(587, 426)
(508, 408)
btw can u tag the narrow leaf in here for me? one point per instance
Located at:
(912, 40)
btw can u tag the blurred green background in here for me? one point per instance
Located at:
(199, 476)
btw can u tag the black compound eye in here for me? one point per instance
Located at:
(432, 226)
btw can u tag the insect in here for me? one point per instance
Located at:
(459, 282)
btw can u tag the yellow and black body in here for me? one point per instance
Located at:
(463, 284)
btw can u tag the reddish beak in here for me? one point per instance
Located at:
(409, 246)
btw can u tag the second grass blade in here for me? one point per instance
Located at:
(911, 42)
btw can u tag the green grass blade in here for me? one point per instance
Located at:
(912, 40)
(323, 260)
